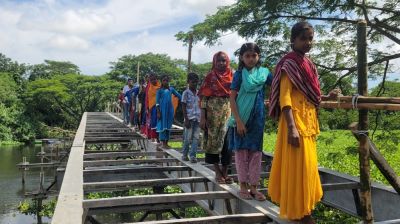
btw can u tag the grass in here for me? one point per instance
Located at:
(338, 150)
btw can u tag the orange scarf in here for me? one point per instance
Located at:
(152, 94)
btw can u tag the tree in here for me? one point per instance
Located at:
(269, 22)
(126, 66)
(16, 70)
(50, 68)
(61, 100)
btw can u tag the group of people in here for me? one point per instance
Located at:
(230, 108)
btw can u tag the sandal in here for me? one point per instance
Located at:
(258, 196)
(245, 195)
(228, 180)
(220, 180)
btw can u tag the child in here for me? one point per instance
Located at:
(294, 181)
(165, 110)
(191, 113)
(131, 101)
(125, 102)
(215, 111)
(246, 125)
(151, 110)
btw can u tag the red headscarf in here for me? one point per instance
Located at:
(302, 73)
(217, 83)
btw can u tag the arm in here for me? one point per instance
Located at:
(286, 107)
(158, 99)
(176, 94)
(241, 128)
(203, 115)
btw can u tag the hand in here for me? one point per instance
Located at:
(203, 124)
(241, 128)
(187, 123)
(158, 115)
(334, 93)
(294, 137)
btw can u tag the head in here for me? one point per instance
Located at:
(122, 90)
(221, 61)
(192, 80)
(165, 81)
(153, 78)
(302, 36)
(130, 82)
(249, 56)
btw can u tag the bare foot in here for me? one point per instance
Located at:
(307, 220)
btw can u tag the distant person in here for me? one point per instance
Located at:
(125, 102)
(142, 105)
(165, 110)
(294, 181)
(121, 97)
(246, 125)
(131, 98)
(215, 111)
(191, 114)
(151, 109)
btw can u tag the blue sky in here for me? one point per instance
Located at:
(92, 33)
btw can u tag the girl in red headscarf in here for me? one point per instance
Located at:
(215, 111)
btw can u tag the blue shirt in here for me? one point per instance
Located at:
(192, 104)
(131, 94)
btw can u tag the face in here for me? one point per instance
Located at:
(153, 80)
(130, 82)
(164, 82)
(221, 62)
(250, 58)
(193, 83)
(303, 42)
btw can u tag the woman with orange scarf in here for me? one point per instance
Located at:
(151, 111)
(215, 111)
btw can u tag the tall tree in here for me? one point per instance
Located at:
(157, 63)
(61, 100)
(269, 22)
(17, 71)
(50, 68)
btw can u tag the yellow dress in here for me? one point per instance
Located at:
(294, 181)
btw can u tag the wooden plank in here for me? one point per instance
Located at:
(134, 208)
(141, 183)
(69, 204)
(155, 199)
(126, 162)
(102, 155)
(340, 186)
(265, 207)
(135, 170)
(229, 219)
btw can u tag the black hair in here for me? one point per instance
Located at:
(192, 76)
(298, 29)
(152, 74)
(163, 76)
(248, 47)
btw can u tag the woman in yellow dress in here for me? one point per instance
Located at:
(294, 181)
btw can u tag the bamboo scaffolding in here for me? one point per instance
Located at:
(368, 106)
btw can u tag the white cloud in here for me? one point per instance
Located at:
(93, 34)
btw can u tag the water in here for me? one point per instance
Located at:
(12, 191)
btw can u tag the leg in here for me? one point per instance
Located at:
(185, 148)
(242, 169)
(194, 138)
(254, 176)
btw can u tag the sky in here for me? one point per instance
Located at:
(93, 33)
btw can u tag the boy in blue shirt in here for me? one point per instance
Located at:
(191, 113)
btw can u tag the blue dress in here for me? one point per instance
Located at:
(164, 101)
(253, 140)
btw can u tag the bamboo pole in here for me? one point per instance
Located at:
(380, 161)
(362, 68)
(190, 52)
(370, 99)
(360, 106)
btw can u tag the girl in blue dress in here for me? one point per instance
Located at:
(246, 125)
(165, 110)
